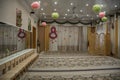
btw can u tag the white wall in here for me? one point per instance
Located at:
(8, 13)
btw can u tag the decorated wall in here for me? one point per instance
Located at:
(8, 13)
(53, 41)
(69, 38)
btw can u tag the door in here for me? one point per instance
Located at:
(34, 37)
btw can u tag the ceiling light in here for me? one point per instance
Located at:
(97, 15)
(81, 10)
(55, 3)
(68, 10)
(65, 14)
(43, 13)
(71, 4)
(116, 6)
(105, 12)
(44, 16)
(92, 18)
(101, 5)
(39, 1)
(87, 14)
(54, 9)
(87, 4)
(42, 9)
(64, 17)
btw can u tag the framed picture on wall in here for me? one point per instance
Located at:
(29, 24)
(18, 17)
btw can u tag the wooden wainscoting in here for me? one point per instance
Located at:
(99, 44)
(43, 37)
(34, 38)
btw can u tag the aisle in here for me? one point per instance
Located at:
(73, 66)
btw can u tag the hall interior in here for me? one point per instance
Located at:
(59, 40)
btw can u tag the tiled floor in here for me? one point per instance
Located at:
(73, 66)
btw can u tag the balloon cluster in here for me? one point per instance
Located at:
(44, 24)
(97, 8)
(55, 15)
(36, 5)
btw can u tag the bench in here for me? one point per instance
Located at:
(15, 72)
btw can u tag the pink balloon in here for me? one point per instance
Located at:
(35, 5)
(44, 24)
(101, 14)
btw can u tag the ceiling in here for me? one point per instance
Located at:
(82, 8)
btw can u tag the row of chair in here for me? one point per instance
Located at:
(16, 67)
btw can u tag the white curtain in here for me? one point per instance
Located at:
(72, 38)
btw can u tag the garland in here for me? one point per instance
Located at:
(85, 22)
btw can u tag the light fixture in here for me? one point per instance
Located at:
(92, 18)
(87, 15)
(68, 10)
(43, 13)
(42, 9)
(97, 15)
(65, 14)
(81, 10)
(101, 5)
(55, 3)
(54, 9)
(64, 17)
(116, 6)
(87, 4)
(71, 4)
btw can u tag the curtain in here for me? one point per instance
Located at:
(72, 38)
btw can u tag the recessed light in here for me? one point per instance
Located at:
(54, 9)
(64, 17)
(55, 3)
(71, 4)
(65, 14)
(87, 4)
(116, 6)
(87, 14)
(68, 10)
(42, 9)
(101, 5)
(92, 18)
(44, 16)
(81, 10)
(43, 13)
(97, 15)
(105, 12)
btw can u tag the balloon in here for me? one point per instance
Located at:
(44, 24)
(104, 19)
(101, 14)
(96, 8)
(35, 5)
(55, 15)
